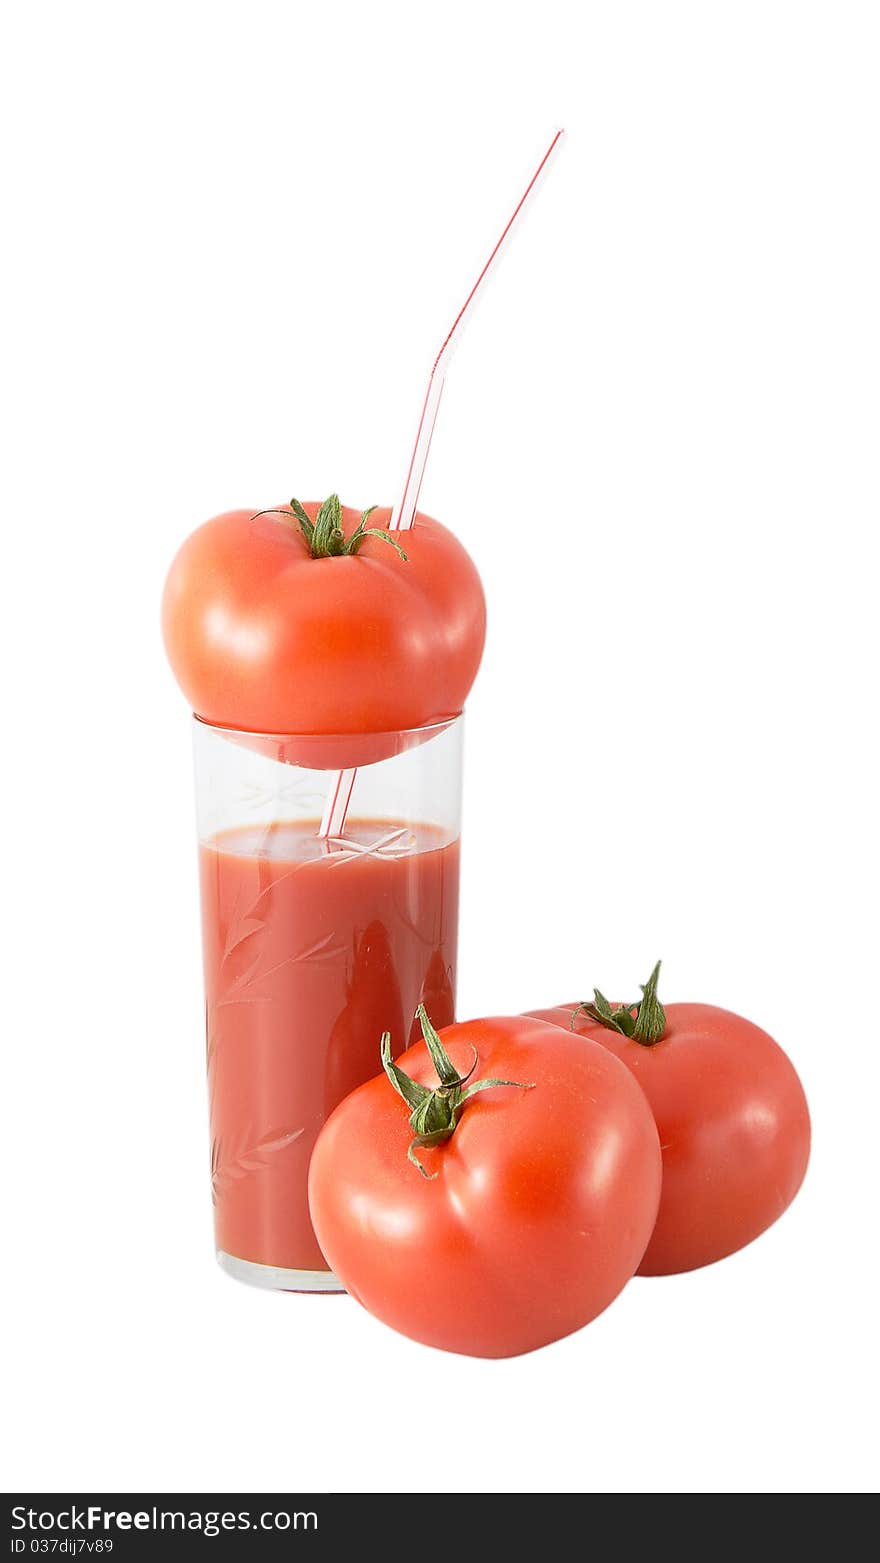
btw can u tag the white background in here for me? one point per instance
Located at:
(234, 236)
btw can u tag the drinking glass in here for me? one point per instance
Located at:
(312, 948)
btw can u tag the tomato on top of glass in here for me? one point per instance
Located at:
(311, 640)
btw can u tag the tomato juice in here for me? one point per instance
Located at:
(312, 949)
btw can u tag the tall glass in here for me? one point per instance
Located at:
(313, 948)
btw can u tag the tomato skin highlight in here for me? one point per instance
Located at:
(264, 638)
(734, 1129)
(542, 1204)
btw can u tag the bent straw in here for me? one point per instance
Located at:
(403, 516)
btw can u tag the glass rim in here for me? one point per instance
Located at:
(377, 733)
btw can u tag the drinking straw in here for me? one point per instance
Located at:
(404, 513)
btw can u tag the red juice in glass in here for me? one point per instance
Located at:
(312, 949)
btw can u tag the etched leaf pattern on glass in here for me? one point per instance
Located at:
(258, 939)
(244, 965)
(244, 968)
(231, 1164)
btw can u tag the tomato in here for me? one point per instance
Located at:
(732, 1117)
(496, 1212)
(268, 636)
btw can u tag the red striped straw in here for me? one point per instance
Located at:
(404, 514)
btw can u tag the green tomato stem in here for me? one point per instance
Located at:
(644, 1022)
(325, 536)
(435, 1111)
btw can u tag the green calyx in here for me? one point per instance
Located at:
(643, 1022)
(325, 536)
(435, 1111)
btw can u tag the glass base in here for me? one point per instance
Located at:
(273, 1279)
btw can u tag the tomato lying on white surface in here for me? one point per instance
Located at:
(504, 1202)
(731, 1113)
